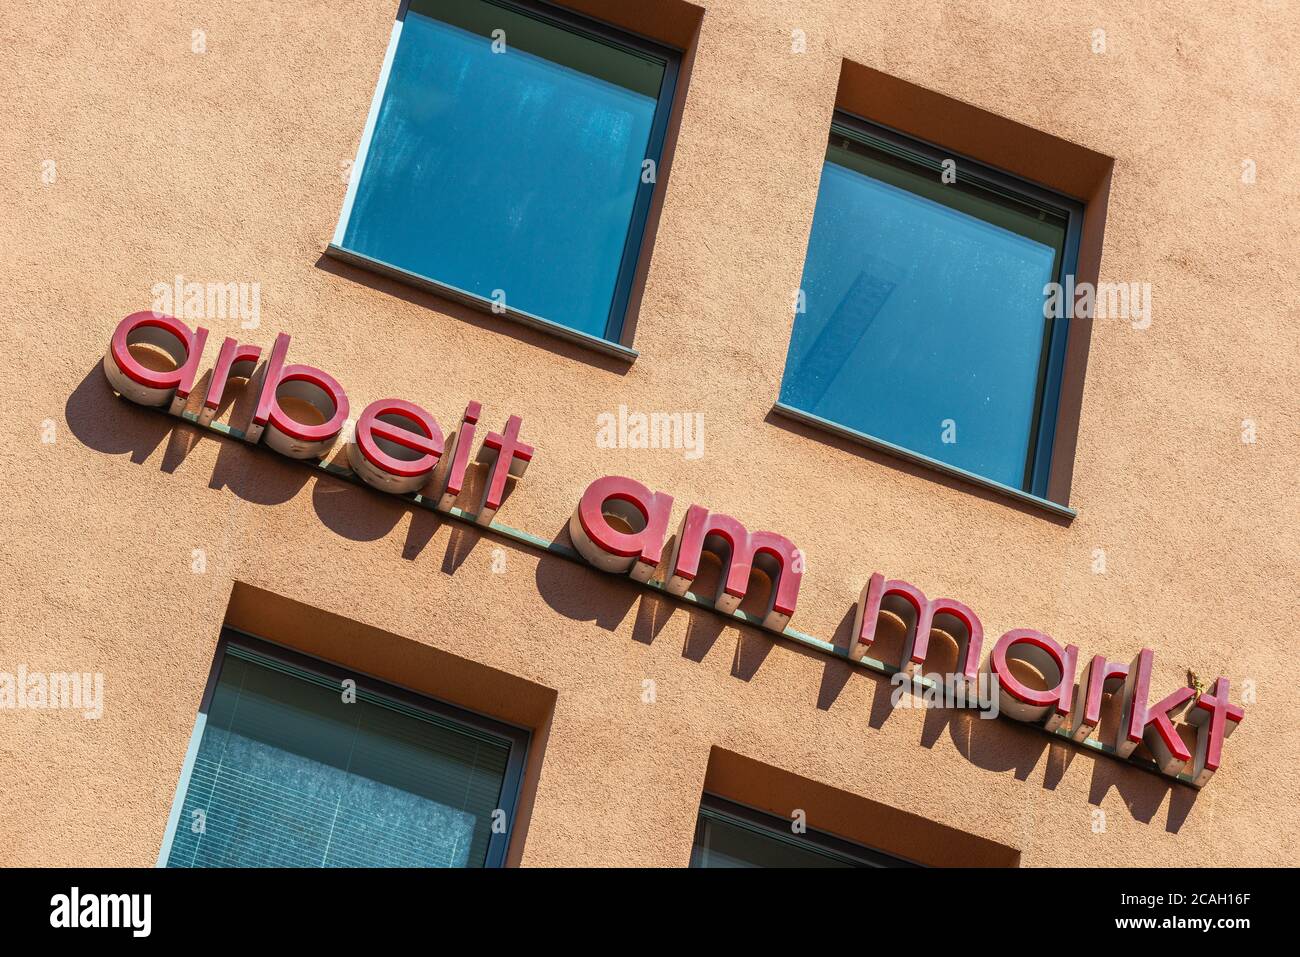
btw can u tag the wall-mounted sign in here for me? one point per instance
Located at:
(396, 446)
(622, 527)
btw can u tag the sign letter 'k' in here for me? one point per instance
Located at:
(1162, 738)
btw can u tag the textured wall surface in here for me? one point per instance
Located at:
(229, 165)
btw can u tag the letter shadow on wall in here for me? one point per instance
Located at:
(997, 744)
(102, 421)
(567, 587)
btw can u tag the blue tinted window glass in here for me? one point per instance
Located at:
(515, 169)
(288, 774)
(924, 308)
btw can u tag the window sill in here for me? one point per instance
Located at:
(586, 340)
(889, 448)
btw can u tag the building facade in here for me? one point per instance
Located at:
(992, 302)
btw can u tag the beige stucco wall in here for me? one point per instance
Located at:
(227, 166)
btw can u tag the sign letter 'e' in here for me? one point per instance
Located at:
(1018, 700)
(619, 526)
(169, 378)
(396, 446)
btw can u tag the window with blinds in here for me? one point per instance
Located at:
(730, 835)
(296, 768)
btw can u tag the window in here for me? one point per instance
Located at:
(285, 771)
(921, 325)
(509, 161)
(731, 835)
